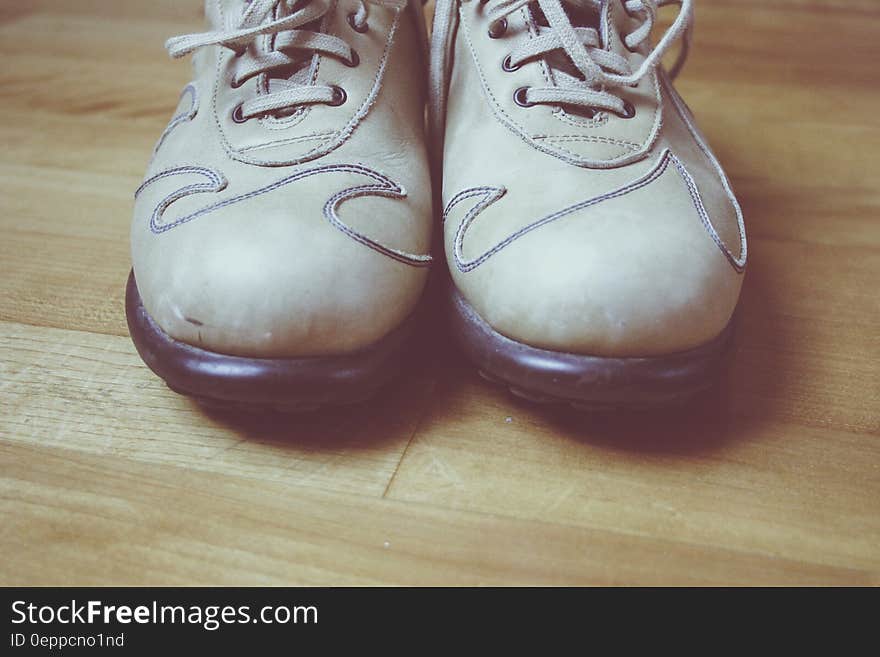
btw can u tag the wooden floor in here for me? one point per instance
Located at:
(106, 477)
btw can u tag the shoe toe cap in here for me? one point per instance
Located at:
(272, 286)
(618, 283)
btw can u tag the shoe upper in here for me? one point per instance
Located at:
(583, 210)
(287, 208)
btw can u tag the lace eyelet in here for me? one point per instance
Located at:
(519, 97)
(507, 67)
(497, 29)
(235, 84)
(354, 61)
(237, 116)
(362, 29)
(629, 111)
(339, 96)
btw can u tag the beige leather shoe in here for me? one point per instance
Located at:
(596, 248)
(281, 237)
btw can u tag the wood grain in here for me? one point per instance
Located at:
(106, 477)
(92, 392)
(98, 520)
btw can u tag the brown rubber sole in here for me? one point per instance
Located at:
(589, 383)
(283, 384)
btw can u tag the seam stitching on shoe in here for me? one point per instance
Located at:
(288, 140)
(217, 182)
(182, 117)
(598, 138)
(740, 261)
(492, 194)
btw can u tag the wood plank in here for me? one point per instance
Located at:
(80, 519)
(65, 249)
(93, 394)
(169, 10)
(80, 133)
(709, 476)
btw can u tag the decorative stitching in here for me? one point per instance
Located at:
(216, 183)
(599, 120)
(596, 138)
(558, 141)
(289, 140)
(574, 153)
(177, 119)
(704, 215)
(739, 263)
(383, 186)
(492, 194)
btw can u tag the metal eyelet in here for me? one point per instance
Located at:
(519, 97)
(362, 29)
(235, 84)
(629, 111)
(339, 96)
(507, 67)
(497, 29)
(237, 116)
(354, 61)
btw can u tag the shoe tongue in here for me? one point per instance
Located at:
(565, 72)
(299, 71)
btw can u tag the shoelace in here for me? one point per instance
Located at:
(602, 71)
(290, 45)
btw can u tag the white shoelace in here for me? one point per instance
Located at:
(602, 71)
(288, 48)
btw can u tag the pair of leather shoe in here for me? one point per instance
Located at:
(282, 237)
